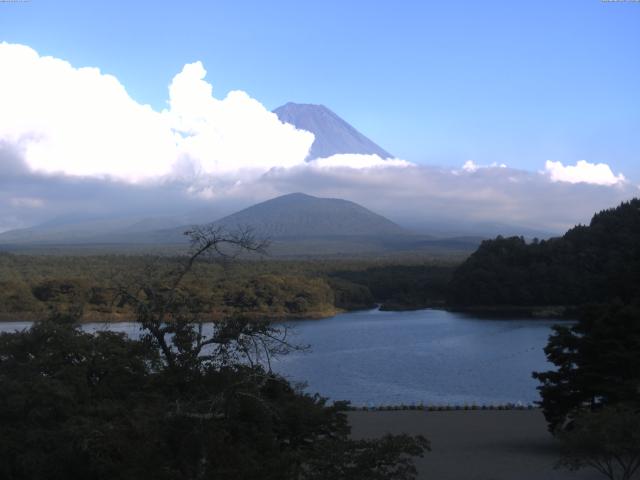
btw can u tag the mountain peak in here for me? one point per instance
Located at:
(333, 134)
(295, 196)
(292, 106)
(298, 215)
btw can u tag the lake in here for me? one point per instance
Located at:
(425, 356)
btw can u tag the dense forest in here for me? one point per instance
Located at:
(146, 388)
(595, 263)
(32, 285)
(178, 403)
(590, 398)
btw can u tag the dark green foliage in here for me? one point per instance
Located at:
(69, 401)
(264, 289)
(285, 294)
(16, 296)
(349, 295)
(76, 405)
(57, 291)
(607, 440)
(388, 457)
(402, 286)
(180, 403)
(598, 364)
(595, 263)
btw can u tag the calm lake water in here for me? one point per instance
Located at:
(426, 356)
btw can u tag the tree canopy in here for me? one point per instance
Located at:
(595, 263)
(597, 364)
(183, 401)
(607, 440)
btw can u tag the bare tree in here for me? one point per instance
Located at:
(217, 381)
(188, 400)
(178, 323)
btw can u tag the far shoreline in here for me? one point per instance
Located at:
(559, 313)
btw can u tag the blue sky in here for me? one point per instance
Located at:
(434, 82)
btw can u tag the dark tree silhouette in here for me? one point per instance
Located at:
(595, 263)
(607, 440)
(598, 364)
(185, 401)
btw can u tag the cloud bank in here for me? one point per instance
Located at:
(74, 143)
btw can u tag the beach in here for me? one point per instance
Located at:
(475, 444)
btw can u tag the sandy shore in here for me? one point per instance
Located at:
(475, 445)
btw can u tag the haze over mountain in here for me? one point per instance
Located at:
(299, 215)
(84, 146)
(333, 134)
(294, 215)
(298, 225)
(90, 230)
(158, 215)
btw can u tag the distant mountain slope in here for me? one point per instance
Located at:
(113, 230)
(299, 226)
(333, 134)
(301, 216)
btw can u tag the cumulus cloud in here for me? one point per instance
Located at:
(77, 121)
(73, 142)
(583, 172)
(80, 121)
(230, 135)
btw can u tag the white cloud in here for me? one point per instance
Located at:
(58, 121)
(417, 195)
(230, 135)
(470, 166)
(357, 161)
(413, 195)
(80, 121)
(583, 172)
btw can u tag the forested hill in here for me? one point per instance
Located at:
(595, 263)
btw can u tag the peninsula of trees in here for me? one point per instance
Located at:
(599, 262)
